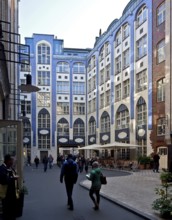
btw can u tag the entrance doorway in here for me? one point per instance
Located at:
(163, 151)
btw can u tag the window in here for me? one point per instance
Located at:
(79, 128)
(89, 85)
(78, 88)
(43, 119)
(63, 127)
(125, 31)
(78, 108)
(94, 105)
(43, 99)
(141, 47)
(141, 112)
(101, 76)
(62, 108)
(141, 16)
(43, 141)
(43, 54)
(161, 13)
(122, 117)
(89, 106)
(161, 126)
(161, 51)
(107, 75)
(125, 59)
(118, 64)
(63, 87)
(43, 78)
(62, 67)
(105, 123)
(118, 92)
(89, 66)
(101, 56)
(107, 98)
(118, 38)
(107, 48)
(94, 82)
(161, 90)
(126, 88)
(26, 128)
(92, 126)
(25, 106)
(102, 100)
(141, 83)
(79, 68)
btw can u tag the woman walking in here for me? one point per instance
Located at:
(94, 177)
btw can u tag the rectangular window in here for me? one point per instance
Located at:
(161, 91)
(161, 14)
(125, 59)
(126, 88)
(161, 51)
(78, 108)
(43, 99)
(141, 47)
(101, 77)
(62, 108)
(63, 87)
(102, 100)
(118, 64)
(141, 83)
(43, 78)
(78, 88)
(125, 31)
(107, 97)
(118, 92)
(161, 126)
(107, 76)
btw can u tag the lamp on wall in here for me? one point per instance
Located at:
(28, 87)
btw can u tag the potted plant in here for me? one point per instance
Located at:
(166, 177)
(144, 161)
(164, 203)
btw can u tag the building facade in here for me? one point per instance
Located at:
(114, 92)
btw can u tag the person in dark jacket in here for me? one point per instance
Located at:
(94, 177)
(45, 162)
(69, 172)
(8, 177)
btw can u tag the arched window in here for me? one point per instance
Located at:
(62, 67)
(125, 31)
(63, 127)
(92, 126)
(141, 112)
(118, 38)
(161, 90)
(44, 123)
(105, 122)
(78, 128)
(122, 117)
(78, 68)
(141, 16)
(102, 54)
(43, 54)
(43, 119)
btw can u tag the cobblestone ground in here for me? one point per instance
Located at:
(136, 191)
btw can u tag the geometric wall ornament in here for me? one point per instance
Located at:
(92, 139)
(122, 135)
(79, 140)
(44, 132)
(63, 140)
(141, 132)
(105, 137)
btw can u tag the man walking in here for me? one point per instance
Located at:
(69, 172)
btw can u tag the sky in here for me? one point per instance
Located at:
(77, 22)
